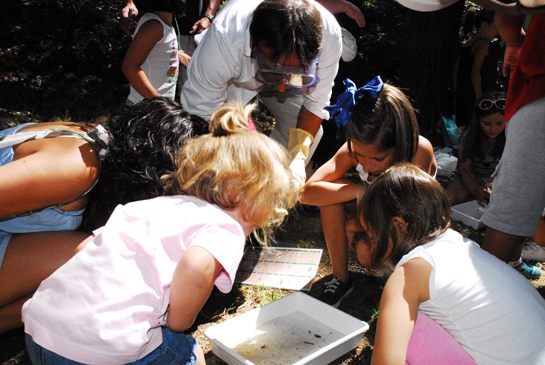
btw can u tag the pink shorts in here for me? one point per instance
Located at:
(431, 344)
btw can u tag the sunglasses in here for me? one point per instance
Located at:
(486, 104)
(274, 73)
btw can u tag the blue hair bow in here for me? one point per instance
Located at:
(347, 101)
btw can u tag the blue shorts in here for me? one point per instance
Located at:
(6, 153)
(176, 349)
(46, 220)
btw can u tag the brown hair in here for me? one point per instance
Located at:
(388, 123)
(288, 27)
(403, 191)
(234, 167)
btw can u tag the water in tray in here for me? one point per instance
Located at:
(283, 340)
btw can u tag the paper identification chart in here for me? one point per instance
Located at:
(279, 267)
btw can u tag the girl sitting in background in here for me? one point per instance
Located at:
(381, 130)
(481, 146)
(146, 274)
(49, 173)
(447, 300)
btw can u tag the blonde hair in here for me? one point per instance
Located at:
(234, 167)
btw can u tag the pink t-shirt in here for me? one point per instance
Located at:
(108, 303)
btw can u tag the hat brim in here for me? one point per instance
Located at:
(426, 5)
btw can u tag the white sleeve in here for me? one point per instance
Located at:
(212, 66)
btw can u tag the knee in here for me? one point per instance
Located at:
(200, 356)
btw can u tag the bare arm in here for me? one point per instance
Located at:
(477, 188)
(204, 23)
(424, 157)
(44, 173)
(510, 29)
(344, 6)
(480, 51)
(405, 290)
(128, 17)
(326, 187)
(191, 286)
(147, 37)
(308, 121)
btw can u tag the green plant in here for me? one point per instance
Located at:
(375, 313)
(268, 295)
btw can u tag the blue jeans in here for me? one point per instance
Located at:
(176, 349)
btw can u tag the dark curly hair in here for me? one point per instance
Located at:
(144, 142)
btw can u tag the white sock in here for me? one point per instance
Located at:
(516, 263)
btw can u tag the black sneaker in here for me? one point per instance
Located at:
(335, 291)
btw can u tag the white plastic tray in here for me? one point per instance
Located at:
(470, 213)
(296, 329)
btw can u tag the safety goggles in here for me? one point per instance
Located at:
(269, 72)
(486, 104)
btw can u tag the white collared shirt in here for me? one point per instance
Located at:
(222, 69)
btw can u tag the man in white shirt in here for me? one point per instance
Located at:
(285, 52)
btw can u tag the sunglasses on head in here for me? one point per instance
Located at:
(269, 72)
(486, 104)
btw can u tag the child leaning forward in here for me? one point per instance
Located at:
(447, 300)
(147, 273)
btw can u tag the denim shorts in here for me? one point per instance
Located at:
(46, 220)
(176, 349)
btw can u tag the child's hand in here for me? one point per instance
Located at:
(351, 227)
(363, 248)
(482, 194)
(183, 57)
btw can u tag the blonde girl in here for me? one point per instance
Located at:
(144, 276)
(447, 300)
(49, 174)
(381, 130)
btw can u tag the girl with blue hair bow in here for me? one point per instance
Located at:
(381, 130)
